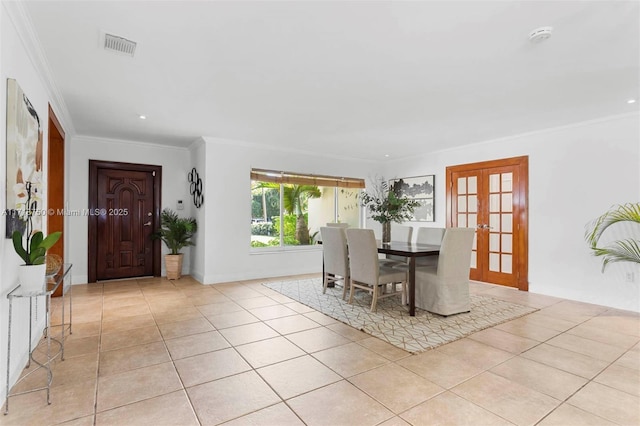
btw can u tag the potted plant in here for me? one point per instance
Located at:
(626, 250)
(387, 204)
(176, 232)
(31, 274)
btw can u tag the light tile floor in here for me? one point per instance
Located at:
(157, 352)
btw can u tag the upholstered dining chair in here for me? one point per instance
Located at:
(338, 225)
(335, 258)
(431, 236)
(444, 289)
(402, 234)
(366, 272)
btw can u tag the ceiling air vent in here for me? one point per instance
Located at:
(119, 44)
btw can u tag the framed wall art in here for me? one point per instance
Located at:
(24, 159)
(422, 190)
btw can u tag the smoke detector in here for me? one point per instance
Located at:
(119, 44)
(540, 34)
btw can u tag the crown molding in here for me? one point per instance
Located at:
(266, 147)
(128, 142)
(18, 14)
(546, 130)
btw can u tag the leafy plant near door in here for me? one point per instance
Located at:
(625, 250)
(177, 233)
(31, 274)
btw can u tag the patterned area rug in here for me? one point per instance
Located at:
(392, 322)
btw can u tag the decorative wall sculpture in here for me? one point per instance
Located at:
(196, 187)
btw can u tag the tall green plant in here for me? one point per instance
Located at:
(626, 250)
(176, 232)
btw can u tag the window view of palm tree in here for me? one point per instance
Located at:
(289, 209)
(265, 206)
(266, 217)
(305, 208)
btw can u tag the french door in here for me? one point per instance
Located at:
(491, 197)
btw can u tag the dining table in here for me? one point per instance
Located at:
(411, 251)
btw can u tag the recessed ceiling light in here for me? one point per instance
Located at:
(386, 155)
(142, 117)
(631, 101)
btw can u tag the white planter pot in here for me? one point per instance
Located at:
(31, 277)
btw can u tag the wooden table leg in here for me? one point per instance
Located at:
(412, 286)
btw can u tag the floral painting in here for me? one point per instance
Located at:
(420, 189)
(24, 159)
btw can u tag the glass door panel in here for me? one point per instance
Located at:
(488, 198)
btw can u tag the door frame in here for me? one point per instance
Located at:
(92, 243)
(56, 184)
(522, 163)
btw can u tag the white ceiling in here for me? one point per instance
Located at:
(360, 78)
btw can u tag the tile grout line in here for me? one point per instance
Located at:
(173, 363)
(346, 379)
(95, 403)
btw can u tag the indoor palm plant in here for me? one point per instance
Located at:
(625, 250)
(387, 204)
(176, 232)
(32, 246)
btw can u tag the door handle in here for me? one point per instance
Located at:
(484, 226)
(147, 224)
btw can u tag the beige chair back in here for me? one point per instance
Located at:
(401, 233)
(363, 255)
(430, 235)
(334, 250)
(338, 225)
(455, 254)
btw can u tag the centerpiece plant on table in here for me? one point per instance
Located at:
(387, 204)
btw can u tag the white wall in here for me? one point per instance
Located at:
(228, 255)
(175, 162)
(198, 158)
(15, 63)
(575, 174)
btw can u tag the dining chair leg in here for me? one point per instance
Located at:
(405, 300)
(374, 300)
(351, 291)
(344, 288)
(325, 282)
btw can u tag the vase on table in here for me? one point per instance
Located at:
(386, 232)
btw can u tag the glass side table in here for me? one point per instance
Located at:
(61, 278)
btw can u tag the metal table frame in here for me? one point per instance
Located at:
(52, 284)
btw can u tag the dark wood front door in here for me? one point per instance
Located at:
(125, 212)
(492, 197)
